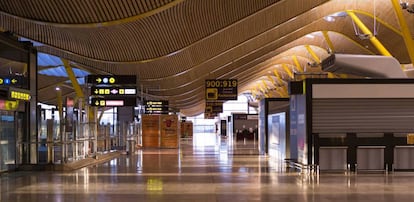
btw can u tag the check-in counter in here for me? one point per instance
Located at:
(333, 158)
(404, 157)
(370, 158)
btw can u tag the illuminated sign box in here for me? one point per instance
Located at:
(156, 103)
(113, 102)
(19, 94)
(214, 107)
(113, 90)
(9, 105)
(156, 106)
(111, 79)
(13, 80)
(221, 89)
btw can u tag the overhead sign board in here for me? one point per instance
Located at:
(214, 107)
(12, 80)
(156, 106)
(156, 102)
(113, 90)
(210, 115)
(113, 101)
(221, 89)
(19, 94)
(111, 79)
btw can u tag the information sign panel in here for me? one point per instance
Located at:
(19, 94)
(156, 106)
(113, 90)
(12, 80)
(221, 89)
(214, 107)
(113, 101)
(111, 79)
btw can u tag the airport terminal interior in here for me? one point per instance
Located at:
(206, 100)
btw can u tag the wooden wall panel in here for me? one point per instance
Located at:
(150, 130)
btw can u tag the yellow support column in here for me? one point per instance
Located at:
(409, 44)
(366, 31)
(73, 79)
(59, 103)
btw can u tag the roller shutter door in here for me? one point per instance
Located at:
(363, 115)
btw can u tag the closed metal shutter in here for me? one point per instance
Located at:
(363, 115)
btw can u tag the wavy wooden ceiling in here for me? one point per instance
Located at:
(173, 46)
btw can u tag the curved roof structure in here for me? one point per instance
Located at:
(173, 46)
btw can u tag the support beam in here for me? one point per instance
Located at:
(73, 79)
(328, 40)
(100, 116)
(297, 64)
(288, 70)
(272, 80)
(313, 54)
(59, 103)
(279, 78)
(409, 44)
(265, 85)
(366, 31)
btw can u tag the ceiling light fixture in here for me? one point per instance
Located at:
(329, 18)
(310, 36)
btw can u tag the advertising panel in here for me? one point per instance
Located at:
(169, 131)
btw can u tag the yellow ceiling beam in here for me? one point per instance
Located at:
(73, 79)
(409, 44)
(265, 85)
(279, 78)
(297, 64)
(271, 79)
(392, 28)
(328, 40)
(354, 42)
(313, 54)
(288, 70)
(366, 31)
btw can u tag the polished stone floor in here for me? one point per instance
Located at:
(206, 168)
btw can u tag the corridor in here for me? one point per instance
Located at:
(205, 168)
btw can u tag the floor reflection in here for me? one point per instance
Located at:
(205, 168)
